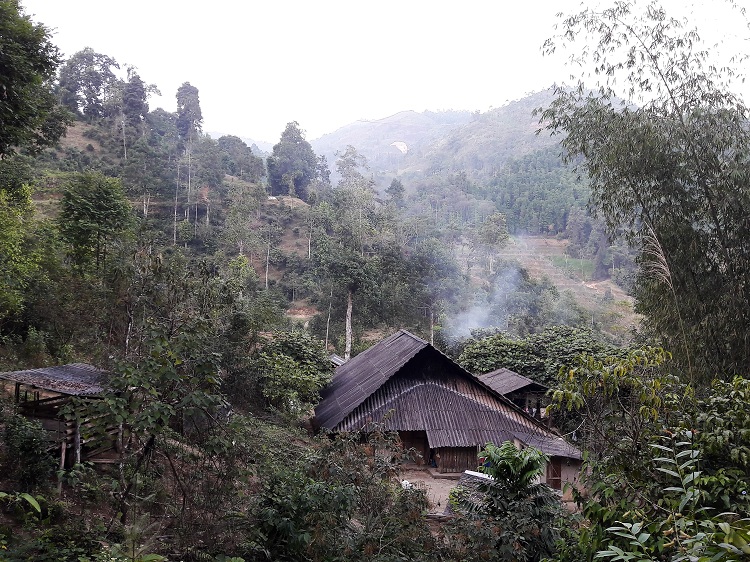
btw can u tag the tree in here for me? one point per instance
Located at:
(239, 159)
(665, 471)
(293, 368)
(29, 115)
(135, 100)
(672, 174)
(492, 235)
(396, 191)
(93, 212)
(512, 512)
(18, 258)
(292, 165)
(84, 82)
(539, 357)
(189, 115)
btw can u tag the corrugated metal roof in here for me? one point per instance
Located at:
(359, 377)
(75, 379)
(506, 381)
(432, 394)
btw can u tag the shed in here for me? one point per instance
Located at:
(42, 393)
(436, 406)
(525, 393)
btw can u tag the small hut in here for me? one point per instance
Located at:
(437, 407)
(525, 393)
(41, 394)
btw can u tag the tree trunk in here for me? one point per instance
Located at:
(328, 320)
(176, 193)
(268, 257)
(348, 348)
(124, 146)
(309, 242)
(432, 327)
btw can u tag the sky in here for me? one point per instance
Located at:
(259, 65)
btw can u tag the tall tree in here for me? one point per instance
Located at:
(93, 212)
(292, 165)
(18, 258)
(396, 191)
(29, 114)
(189, 114)
(135, 100)
(189, 123)
(239, 160)
(673, 173)
(492, 235)
(84, 82)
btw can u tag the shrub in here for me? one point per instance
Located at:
(27, 458)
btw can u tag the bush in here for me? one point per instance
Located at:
(27, 458)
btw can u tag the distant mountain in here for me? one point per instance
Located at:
(438, 143)
(484, 145)
(374, 139)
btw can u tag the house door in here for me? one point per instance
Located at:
(416, 440)
(554, 473)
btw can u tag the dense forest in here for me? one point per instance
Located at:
(214, 281)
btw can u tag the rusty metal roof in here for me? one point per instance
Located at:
(75, 379)
(506, 381)
(410, 386)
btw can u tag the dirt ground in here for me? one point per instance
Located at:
(437, 489)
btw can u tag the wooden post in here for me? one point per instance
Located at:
(62, 463)
(18, 392)
(77, 442)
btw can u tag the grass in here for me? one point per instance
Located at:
(581, 268)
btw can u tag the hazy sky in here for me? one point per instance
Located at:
(259, 65)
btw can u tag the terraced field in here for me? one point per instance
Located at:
(611, 308)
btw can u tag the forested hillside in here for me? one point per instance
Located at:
(212, 284)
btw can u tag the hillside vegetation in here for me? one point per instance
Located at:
(213, 283)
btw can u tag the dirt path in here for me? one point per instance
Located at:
(437, 489)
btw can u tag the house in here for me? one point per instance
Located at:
(437, 407)
(525, 393)
(41, 394)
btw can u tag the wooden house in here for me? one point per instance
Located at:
(525, 393)
(437, 407)
(41, 394)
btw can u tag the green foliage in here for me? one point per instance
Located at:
(396, 191)
(686, 530)
(537, 356)
(173, 383)
(22, 496)
(189, 114)
(93, 212)
(18, 257)
(84, 80)
(29, 115)
(293, 367)
(670, 174)
(239, 160)
(340, 502)
(511, 515)
(27, 457)
(293, 165)
(690, 502)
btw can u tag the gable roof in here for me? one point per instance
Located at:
(75, 379)
(455, 408)
(362, 375)
(506, 381)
